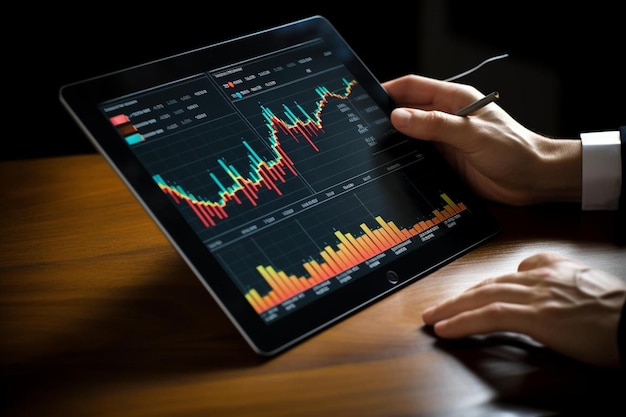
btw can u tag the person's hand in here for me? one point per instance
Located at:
(560, 303)
(501, 159)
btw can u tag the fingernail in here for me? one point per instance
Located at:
(402, 118)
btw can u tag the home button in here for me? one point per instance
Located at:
(392, 277)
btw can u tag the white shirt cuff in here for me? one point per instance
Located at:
(602, 170)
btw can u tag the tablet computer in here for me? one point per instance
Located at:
(270, 164)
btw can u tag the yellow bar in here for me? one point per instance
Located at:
(313, 273)
(284, 279)
(392, 235)
(343, 253)
(329, 265)
(387, 232)
(327, 270)
(256, 301)
(276, 283)
(332, 259)
(438, 214)
(359, 246)
(321, 272)
(305, 282)
(371, 246)
(448, 212)
(380, 245)
(380, 235)
(452, 204)
(350, 253)
(274, 297)
(267, 276)
(275, 293)
(400, 233)
(296, 283)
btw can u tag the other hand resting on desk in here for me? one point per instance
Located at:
(567, 306)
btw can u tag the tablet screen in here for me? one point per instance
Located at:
(270, 163)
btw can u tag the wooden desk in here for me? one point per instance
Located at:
(100, 317)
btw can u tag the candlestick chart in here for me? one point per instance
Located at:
(262, 174)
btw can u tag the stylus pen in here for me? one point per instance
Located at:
(478, 104)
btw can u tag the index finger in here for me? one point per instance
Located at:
(429, 94)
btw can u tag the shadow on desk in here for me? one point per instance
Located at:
(165, 321)
(525, 374)
(167, 324)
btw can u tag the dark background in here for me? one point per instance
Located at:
(563, 74)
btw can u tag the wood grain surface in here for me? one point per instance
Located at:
(101, 317)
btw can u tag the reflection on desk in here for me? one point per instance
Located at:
(101, 317)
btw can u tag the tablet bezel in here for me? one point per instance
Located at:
(81, 100)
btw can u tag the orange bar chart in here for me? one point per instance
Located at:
(349, 252)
